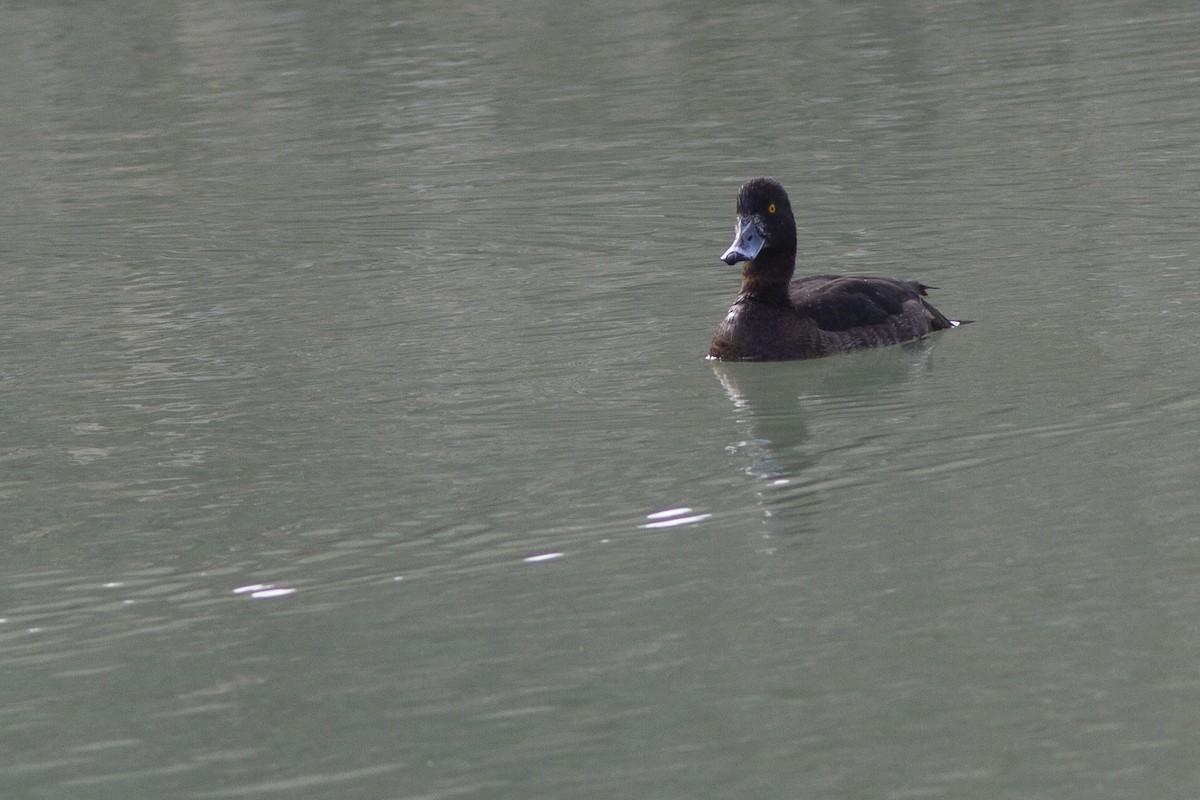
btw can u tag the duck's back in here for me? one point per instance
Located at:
(827, 314)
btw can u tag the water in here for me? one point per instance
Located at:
(358, 440)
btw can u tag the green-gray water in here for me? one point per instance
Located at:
(357, 439)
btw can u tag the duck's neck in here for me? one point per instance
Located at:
(766, 278)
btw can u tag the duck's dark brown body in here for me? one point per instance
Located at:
(775, 317)
(826, 314)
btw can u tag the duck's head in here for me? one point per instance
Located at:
(765, 225)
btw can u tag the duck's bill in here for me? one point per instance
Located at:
(747, 242)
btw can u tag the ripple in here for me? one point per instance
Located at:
(673, 517)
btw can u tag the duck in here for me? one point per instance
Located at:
(775, 317)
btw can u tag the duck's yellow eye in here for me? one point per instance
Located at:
(771, 208)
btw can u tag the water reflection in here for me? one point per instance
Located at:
(777, 404)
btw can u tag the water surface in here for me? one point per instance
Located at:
(359, 442)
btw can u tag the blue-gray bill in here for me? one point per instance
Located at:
(748, 240)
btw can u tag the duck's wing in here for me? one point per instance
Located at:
(844, 302)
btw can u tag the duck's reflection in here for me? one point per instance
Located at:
(769, 412)
(774, 403)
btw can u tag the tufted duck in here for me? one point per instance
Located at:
(775, 317)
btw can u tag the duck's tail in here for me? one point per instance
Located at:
(937, 320)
